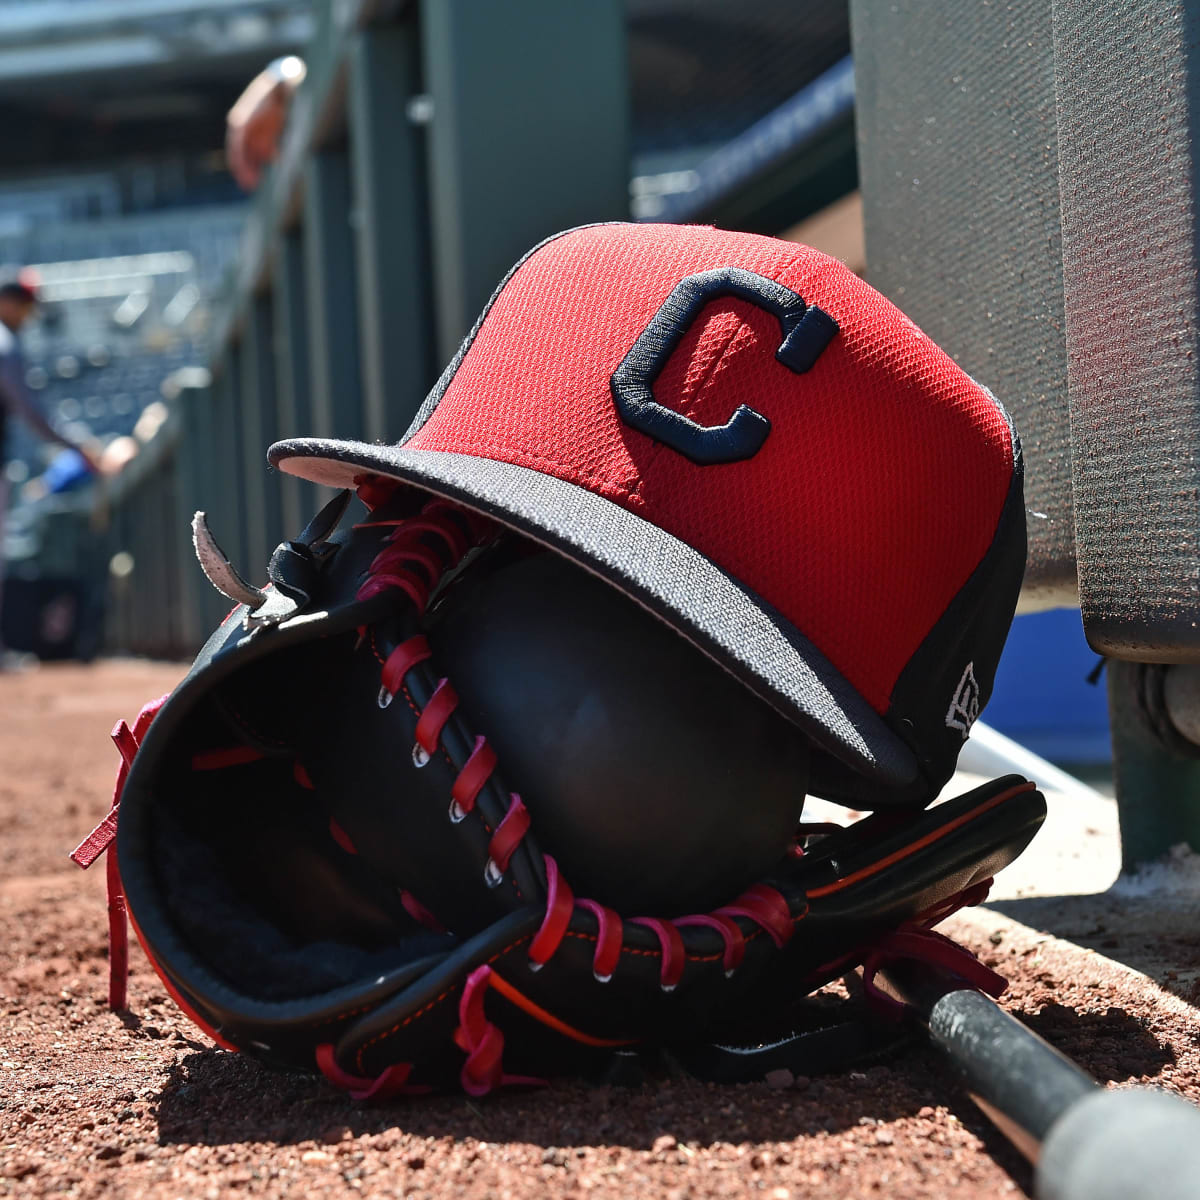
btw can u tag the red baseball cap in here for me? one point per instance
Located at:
(750, 441)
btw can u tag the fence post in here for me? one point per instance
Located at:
(554, 154)
(337, 407)
(387, 155)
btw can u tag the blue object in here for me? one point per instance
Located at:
(66, 470)
(1042, 697)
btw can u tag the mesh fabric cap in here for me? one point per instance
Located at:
(876, 497)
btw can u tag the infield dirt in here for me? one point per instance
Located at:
(139, 1103)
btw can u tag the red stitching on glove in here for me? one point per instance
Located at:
(434, 520)
(342, 838)
(128, 742)
(391, 1081)
(387, 568)
(374, 490)
(764, 906)
(977, 893)
(761, 903)
(673, 955)
(419, 912)
(402, 660)
(445, 521)
(560, 902)
(734, 939)
(482, 1040)
(509, 833)
(434, 716)
(476, 771)
(360, 1054)
(231, 756)
(397, 553)
(915, 943)
(408, 582)
(610, 937)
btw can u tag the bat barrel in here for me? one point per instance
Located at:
(1021, 1082)
(1120, 1145)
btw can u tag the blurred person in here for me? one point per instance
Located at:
(18, 301)
(256, 120)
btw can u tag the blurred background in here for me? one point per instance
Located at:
(206, 284)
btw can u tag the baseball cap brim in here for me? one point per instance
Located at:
(686, 589)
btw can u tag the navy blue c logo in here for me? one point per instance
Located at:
(806, 330)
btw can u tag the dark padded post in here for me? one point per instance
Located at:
(1127, 105)
(226, 505)
(194, 401)
(958, 161)
(528, 135)
(297, 498)
(387, 156)
(335, 383)
(1127, 111)
(161, 630)
(260, 424)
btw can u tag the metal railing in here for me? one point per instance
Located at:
(430, 145)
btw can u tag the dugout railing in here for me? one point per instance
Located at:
(430, 145)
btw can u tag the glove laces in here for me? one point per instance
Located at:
(760, 904)
(100, 841)
(483, 1040)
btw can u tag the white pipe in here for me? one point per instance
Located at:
(989, 752)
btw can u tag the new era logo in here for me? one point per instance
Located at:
(964, 707)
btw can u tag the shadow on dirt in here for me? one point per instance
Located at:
(1111, 1046)
(217, 1098)
(1151, 934)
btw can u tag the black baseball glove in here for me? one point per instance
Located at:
(439, 808)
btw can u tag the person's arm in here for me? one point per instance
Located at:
(15, 399)
(256, 120)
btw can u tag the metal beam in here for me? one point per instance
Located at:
(226, 504)
(1156, 771)
(528, 136)
(793, 162)
(387, 154)
(329, 247)
(260, 424)
(193, 402)
(297, 497)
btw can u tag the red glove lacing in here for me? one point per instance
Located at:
(100, 840)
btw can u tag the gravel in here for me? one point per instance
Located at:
(140, 1104)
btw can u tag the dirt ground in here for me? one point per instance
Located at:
(141, 1104)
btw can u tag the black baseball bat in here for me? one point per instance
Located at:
(1086, 1142)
